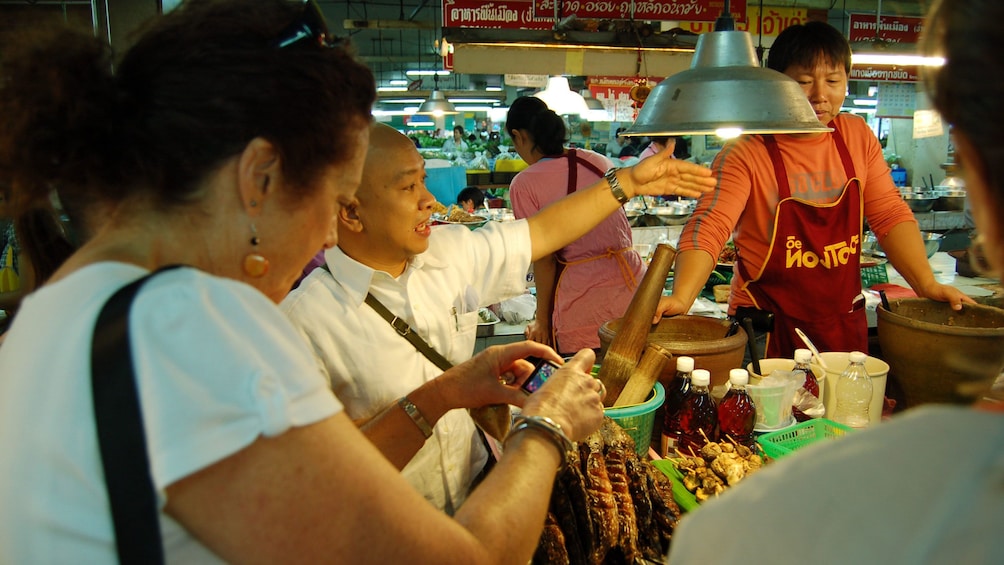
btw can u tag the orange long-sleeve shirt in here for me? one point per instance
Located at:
(744, 202)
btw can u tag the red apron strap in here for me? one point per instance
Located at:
(845, 155)
(780, 173)
(573, 170)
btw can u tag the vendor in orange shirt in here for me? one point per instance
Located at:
(794, 206)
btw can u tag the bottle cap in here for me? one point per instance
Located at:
(685, 364)
(739, 377)
(700, 377)
(857, 357)
(803, 355)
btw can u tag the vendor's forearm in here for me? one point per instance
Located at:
(393, 431)
(905, 249)
(690, 274)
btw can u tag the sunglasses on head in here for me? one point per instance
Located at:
(309, 27)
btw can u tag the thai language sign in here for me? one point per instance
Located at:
(503, 14)
(651, 10)
(773, 22)
(539, 14)
(894, 29)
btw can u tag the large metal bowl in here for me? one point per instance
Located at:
(950, 200)
(920, 202)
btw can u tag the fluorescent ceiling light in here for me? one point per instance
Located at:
(493, 89)
(865, 102)
(391, 89)
(894, 59)
(398, 82)
(474, 101)
(422, 73)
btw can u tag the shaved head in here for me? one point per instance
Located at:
(384, 163)
(389, 224)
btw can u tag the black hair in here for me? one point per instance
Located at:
(968, 89)
(472, 193)
(545, 128)
(806, 44)
(197, 85)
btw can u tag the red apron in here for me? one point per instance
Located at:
(812, 277)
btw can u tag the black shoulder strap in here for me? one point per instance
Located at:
(121, 436)
(404, 330)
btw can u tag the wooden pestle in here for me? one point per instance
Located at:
(640, 385)
(624, 352)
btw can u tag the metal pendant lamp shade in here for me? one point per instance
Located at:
(726, 92)
(559, 97)
(437, 105)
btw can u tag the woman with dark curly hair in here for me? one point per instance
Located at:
(225, 141)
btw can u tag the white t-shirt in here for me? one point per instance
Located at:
(926, 487)
(438, 295)
(217, 366)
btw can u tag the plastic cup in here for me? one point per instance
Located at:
(878, 370)
(768, 366)
(773, 405)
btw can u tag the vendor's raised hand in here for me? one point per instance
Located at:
(669, 306)
(490, 377)
(571, 397)
(662, 175)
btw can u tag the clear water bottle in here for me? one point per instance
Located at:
(675, 397)
(699, 416)
(854, 393)
(737, 413)
(811, 385)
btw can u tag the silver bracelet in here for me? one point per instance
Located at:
(550, 428)
(412, 411)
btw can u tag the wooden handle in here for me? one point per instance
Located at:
(624, 352)
(639, 386)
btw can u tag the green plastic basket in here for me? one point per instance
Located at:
(782, 442)
(876, 274)
(637, 420)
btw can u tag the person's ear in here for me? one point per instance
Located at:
(348, 217)
(258, 174)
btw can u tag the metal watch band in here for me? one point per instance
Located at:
(412, 411)
(615, 185)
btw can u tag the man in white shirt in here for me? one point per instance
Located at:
(435, 280)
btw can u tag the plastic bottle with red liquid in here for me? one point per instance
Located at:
(802, 359)
(679, 388)
(737, 412)
(699, 416)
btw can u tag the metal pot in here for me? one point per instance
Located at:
(950, 200)
(920, 202)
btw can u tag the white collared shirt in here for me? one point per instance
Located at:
(370, 366)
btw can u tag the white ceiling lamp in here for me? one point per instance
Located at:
(560, 98)
(726, 93)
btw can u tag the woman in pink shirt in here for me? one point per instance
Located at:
(593, 279)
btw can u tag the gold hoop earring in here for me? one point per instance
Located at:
(255, 264)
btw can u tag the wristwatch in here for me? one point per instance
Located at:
(615, 185)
